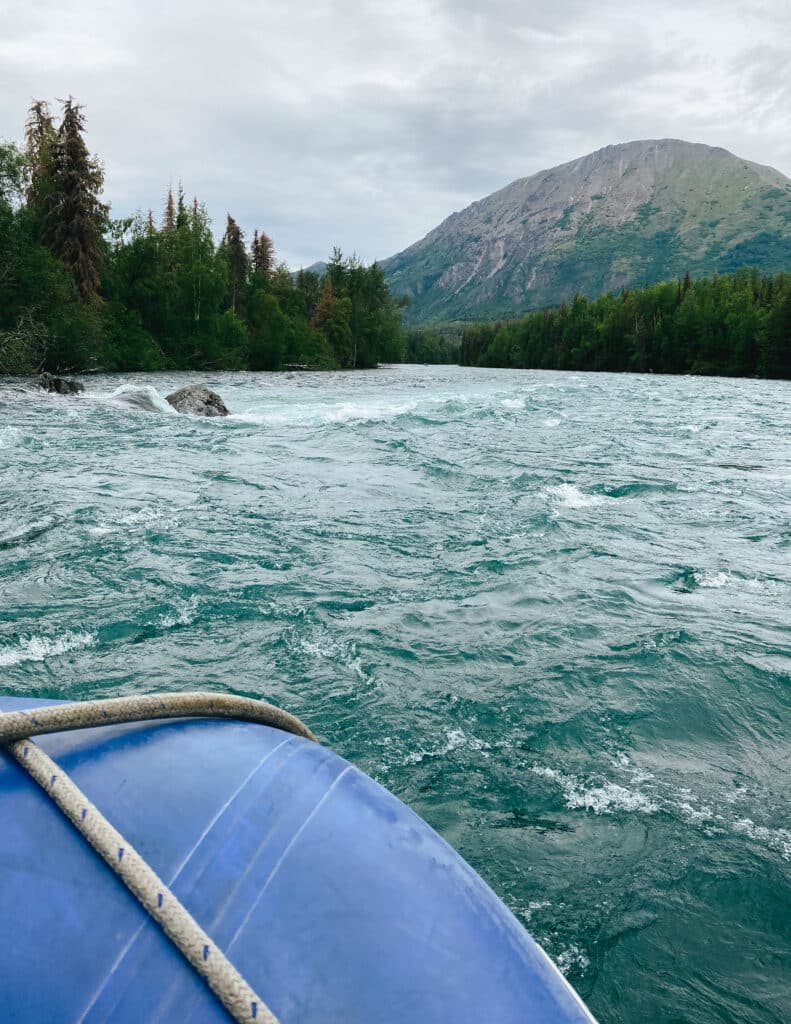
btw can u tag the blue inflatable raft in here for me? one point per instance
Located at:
(334, 900)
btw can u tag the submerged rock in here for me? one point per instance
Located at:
(58, 385)
(198, 400)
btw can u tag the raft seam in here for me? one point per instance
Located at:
(294, 839)
(174, 878)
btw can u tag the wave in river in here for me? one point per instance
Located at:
(41, 648)
(143, 398)
(570, 496)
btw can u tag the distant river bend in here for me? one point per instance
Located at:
(550, 611)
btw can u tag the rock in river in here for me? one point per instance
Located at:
(58, 385)
(197, 400)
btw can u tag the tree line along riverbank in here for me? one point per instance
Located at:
(80, 291)
(735, 325)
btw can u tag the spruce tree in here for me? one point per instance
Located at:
(182, 218)
(169, 218)
(323, 312)
(263, 255)
(74, 213)
(237, 265)
(40, 137)
(332, 321)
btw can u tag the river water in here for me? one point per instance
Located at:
(550, 611)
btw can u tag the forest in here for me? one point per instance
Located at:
(80, 291)
(735, 325)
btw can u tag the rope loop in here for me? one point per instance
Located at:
(236, 995)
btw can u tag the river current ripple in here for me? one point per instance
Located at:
(550, 611)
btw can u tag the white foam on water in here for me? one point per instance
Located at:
(572, 959)
(697, 815)
(526, 913)
(351, 413)
(324, 648)
(766, 586)
(778, 839)
(608, 798)
(9, 437)
(141, 517)
(283, 609)
(604, 799)
(135, 519)
(553, 421)
(183, 615)
(454, 740)
(710, 580)
(570, 496)
(101, 530)
(684, 800)
(459, 738)
(713, 580)
(311, 415)
(316, 649)
(714, 815)
(264, 419)
(513, 403)
(143, 397)
(40, 648)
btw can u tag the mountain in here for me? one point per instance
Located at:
(624, 216)
(319, 268)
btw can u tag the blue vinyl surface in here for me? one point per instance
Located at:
(334, 900)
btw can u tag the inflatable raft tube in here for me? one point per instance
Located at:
(335, 901)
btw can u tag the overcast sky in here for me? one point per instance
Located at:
(365, 124)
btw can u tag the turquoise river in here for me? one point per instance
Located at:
(550, 611)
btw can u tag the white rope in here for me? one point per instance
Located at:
(17, 725)
(238, 998)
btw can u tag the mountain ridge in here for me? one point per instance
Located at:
(625, 215)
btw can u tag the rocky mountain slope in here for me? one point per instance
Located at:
(624, 216)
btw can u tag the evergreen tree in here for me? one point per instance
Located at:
(75, 215)
(237, 266)
(181, 209)
(324, 307)
(40, 139)
(331, 321)
(262, 256)
(169, 218)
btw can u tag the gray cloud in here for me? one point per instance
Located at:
(364, 125)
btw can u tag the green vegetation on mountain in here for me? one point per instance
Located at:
(79, 291)
(734, 325)
(623, 217)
